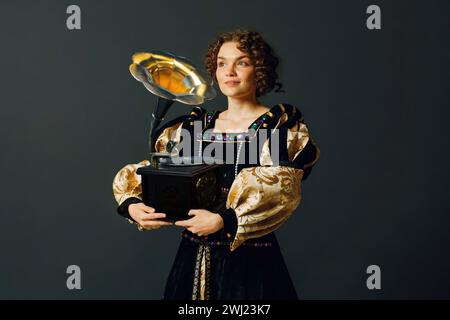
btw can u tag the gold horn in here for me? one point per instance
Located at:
(171, 78)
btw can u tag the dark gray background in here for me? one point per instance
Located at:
(376, 103)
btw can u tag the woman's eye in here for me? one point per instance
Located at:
(221, 64)
(243, 63)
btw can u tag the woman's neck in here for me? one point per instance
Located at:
(243, 108)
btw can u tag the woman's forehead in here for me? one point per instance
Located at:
(229, 50)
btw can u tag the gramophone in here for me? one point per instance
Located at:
(169, 184)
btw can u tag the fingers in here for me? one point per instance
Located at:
(156, 223)
(151, 220)
(152, 216)
(192, 212)
(148, 209)
(184, 223)
(187, 223)
(199, 232)
(142, 207)
(192, 227)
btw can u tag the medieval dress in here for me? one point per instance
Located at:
(243, 260)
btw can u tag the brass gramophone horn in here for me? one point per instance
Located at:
(170, 78)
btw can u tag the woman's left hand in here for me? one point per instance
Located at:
(204, 222)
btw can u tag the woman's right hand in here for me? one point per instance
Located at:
(146, 216)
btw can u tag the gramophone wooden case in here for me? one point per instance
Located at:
(174, 190)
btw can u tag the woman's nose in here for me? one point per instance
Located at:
(229, 72)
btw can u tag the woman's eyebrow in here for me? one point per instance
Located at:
(240, 57)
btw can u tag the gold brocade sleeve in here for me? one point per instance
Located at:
(264, 197)
(127, 183)
(171, 133)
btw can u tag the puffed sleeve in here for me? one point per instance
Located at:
(126, 185)
(264, 197)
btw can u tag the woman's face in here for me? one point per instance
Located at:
(235, 72)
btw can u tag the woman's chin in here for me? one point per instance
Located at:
(237, 94)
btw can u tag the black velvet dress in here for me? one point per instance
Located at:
(204, 266)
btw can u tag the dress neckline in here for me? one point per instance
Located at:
(254, 125)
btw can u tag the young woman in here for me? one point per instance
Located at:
(233, 253)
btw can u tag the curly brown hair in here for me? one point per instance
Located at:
(260, 52)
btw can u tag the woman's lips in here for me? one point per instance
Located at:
(232, 83)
